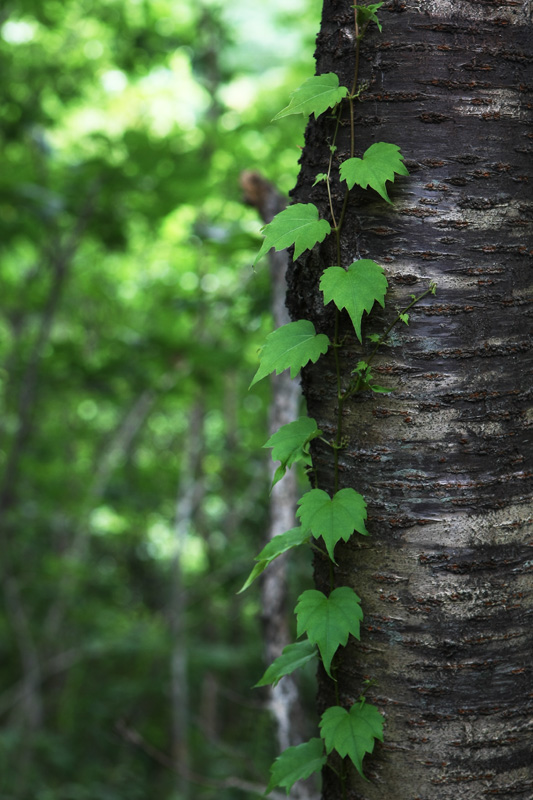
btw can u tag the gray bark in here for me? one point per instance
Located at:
(445, 463)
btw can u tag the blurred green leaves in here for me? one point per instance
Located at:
(127, 293)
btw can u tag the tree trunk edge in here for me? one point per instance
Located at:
(446, 463)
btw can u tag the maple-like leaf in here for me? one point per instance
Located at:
(352, 733)
(332, 518)
(328, 621)
(378, 165)
(298, 225)
(296, 764)
(355, 289)
(291, 444)
(315, 96)
(292, 657)
(291, 347)
(275, 547)
(362, 370)
(368, 14)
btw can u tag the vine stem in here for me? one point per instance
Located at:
(383, 338)
(338, 228)
(330, 164)
(355, 388)
(336, 343)
(340, 402)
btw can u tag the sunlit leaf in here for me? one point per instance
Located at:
(293, 657)
(332, 518)
(328, 621)
(255, 573)
(298, 225)
(315, 96)
(282, 542)
(379, 164)
(322, 176)
(291, 444)
(275, 547)
(291, 347)
(352, 733)
(355, 289)
(368, 14)
(297, 764)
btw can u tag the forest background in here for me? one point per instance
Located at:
(133, 486)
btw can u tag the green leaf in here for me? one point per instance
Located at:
(362, 369)
(328, 621)
(380, 389)
(297, 763)
(374, 337)
(332, 518)
(368, 14)
(255, 573)
(291, 444)
(404, 318)
(275, 547)
(322, 176)
(293, 657)
(352, 733)
(291, 347)
(298, 225)
(282, 542)
(378, 165)
(315, 96)
(355, 289)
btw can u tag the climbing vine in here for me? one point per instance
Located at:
(325, 622)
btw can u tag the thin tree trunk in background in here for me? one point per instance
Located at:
(59, 261)
(187, 502)
(286, 394)
(115, 448)
(445, 462)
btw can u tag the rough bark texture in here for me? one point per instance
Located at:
(445, 463)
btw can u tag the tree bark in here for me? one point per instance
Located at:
(445, 462)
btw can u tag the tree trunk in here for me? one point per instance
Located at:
(444, 462)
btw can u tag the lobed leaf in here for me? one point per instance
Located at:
(332, 518)
(275, 547)
(282, 542)
(352, 733)
(291, 444)
(315, 96)
(322, 176)
(291, 347)
(292, 657)
(328, 621)
(297, 763)
(298, 225)
(255, 573)
(355, 289)
(378, 165)
(368, 14)
(362, 369)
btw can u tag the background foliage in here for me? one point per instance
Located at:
(133, 487)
